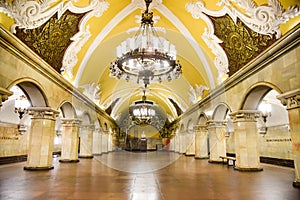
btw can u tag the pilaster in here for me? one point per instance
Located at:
(292, 102)
(246, 140)
(41, 139)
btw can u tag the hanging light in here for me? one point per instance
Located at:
(146, 56)
(142, 112)
(21, 105)
(265, 108)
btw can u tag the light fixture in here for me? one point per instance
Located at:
(146, 56)
(142, 112)
(21, 105)
(265, 109)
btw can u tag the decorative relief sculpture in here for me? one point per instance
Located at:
(196, 94)
(92, 91)
(264, 19)
(33, 14)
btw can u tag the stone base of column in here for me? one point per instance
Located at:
(38, 168)
(215, 161)
(296, 184)
(68, 161)
(201, 158)
(97, 154)
(86, 157)
(248, 169)
(190, 154)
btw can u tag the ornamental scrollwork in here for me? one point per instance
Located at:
(264, 19)
(33, 14)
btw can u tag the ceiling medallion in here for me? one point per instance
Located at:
(146, 56)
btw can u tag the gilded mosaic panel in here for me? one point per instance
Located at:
(240, 43)
(51, 40)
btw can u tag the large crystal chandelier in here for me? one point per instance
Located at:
(142, 112)
(146, 56)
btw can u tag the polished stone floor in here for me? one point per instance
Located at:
(142, 176)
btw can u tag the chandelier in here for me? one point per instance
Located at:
(146, 56)
(142, 112)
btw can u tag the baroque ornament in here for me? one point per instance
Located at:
(264, 19)
(32, 14)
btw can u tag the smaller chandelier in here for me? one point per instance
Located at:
(21, 105)
(142, 112)
(146, 56)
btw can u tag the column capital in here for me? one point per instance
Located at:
(71, 121)
(216, 123)
(290, 99)
(43, 112)
(245, 115)
(4, 94)
(88, 126)
(199, 127)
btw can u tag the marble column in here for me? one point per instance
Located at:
(97, 142)
(172, 144)
(41, 139)
(177, 143)
(110, 142)
(105, 142)
(217, 140)
(201, 147)
(182, 146)
(70, 140)
(190, 144)
(246, 140)
(292, 102)
(86, 141)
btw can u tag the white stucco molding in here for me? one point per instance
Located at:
(263, 19)
(32, 14)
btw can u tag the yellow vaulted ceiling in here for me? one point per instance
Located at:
(184, 31)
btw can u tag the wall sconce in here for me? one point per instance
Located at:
(265, 109)
(21, 105)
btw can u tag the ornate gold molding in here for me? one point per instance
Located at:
(240, 43)
(51, 39)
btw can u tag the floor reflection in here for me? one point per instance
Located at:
(138, 162)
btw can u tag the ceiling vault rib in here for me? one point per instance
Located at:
(185, 32)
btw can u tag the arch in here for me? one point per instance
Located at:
(181, 128)
(33, 91)
(105, 126)
(190, 125)
(220, 112)
(86, 119)
(202, 119)
(255, 95)
(97, 124)
(67, 110)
